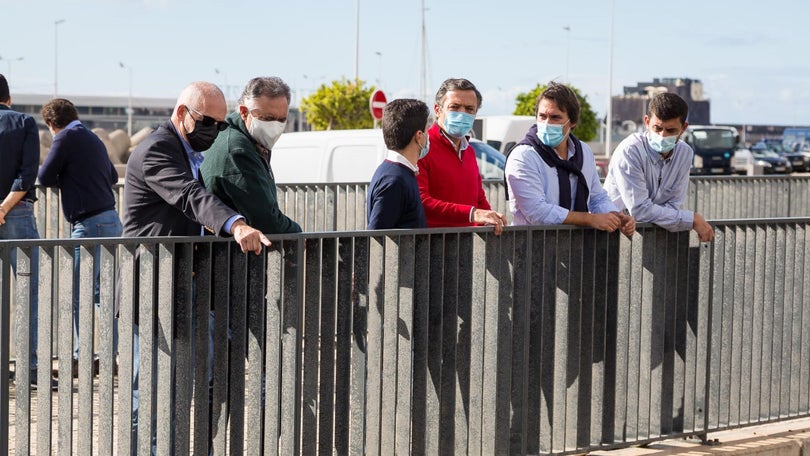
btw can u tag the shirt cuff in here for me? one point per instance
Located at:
(472, 209)
(230, 222)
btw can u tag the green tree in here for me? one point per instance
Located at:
(343, 105)
(587, 128)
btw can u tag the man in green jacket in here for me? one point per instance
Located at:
(237, 167)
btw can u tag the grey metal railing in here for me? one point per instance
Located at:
(546, 339)
(342, 206)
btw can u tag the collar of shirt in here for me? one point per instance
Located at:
(73, 124)
(396, 157)
(264, 153)
(195, 158)
(462, 146)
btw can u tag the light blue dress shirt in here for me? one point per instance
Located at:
(195, 159)
(534, 189)
(651, 187)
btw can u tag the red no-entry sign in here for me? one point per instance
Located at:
(376, 103)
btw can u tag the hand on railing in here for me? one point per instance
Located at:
(702, 228)
(249, 239)
(628, 224)
(608, 221)
(485, 217)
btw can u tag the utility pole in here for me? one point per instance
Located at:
(567, 28)
(357, 41)
(423, 58)
(56, 56)
(129, 99)
(609, 116)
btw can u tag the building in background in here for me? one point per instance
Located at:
(110, 113)
(629, 108)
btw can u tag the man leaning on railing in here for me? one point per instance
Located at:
(649, 172)
(19, 155)
(163, 195)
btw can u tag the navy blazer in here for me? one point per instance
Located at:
(19, 153)
(161, 195)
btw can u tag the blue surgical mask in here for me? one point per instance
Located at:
(661, 144)
(425, 149)
(458, 124)
(550, 134)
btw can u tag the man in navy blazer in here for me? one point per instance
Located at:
(163, 195)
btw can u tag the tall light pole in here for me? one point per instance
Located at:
(8, 61)
(129, 99)
(609, 116)
(379, 77)
(300, 99)
(423, 59)
(225, 87)
(357, 41)
(567, 29)
(56, 56)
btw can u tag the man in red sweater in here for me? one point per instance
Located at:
(449, 182)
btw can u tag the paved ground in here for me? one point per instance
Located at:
(36, 395)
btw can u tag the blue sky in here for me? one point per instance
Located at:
(751, 57)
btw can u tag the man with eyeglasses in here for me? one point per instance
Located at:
(237, 167)
(163, 194)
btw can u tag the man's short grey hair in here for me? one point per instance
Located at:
(271, 87)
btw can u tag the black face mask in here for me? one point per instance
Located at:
(202, 137)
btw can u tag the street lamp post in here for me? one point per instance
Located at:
(357, 41)
(9, 61)
(609, 116)
(129, 99)
(379, 77)
(567, 29)
(56, 56)
(226, 89)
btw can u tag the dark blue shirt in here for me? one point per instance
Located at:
(19, 153)
(78, 164)
(393, 199)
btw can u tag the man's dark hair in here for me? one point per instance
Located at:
(59, 112)
(401, 120)
(668, 106)
(270, 87)
(456, 84)
(4, 93)
(565, 98)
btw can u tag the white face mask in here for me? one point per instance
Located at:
(266, 132)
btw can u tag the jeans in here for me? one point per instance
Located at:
(105, 224)
(21, 224)
(136, 356)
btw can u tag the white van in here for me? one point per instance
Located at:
(348, 156)
(327, 156)
(502, 132)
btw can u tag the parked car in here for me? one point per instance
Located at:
(799, 160)
(741, 161)
(490, 160)
(771, 162)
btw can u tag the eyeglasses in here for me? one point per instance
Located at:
(267, 118)
(208, 121)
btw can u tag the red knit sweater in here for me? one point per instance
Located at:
(449, 187)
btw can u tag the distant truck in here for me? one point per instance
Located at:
(714, 148)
